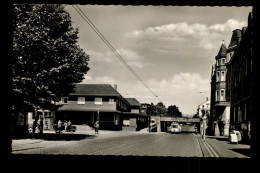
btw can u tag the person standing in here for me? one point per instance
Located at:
(59, 126)
(96, 126)
(65, 126)
(69, 126)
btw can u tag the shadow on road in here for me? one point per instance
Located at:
(56, 137)
(244, 151)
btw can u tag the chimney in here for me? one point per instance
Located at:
(115, 87)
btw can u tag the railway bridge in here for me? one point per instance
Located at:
(162, 122)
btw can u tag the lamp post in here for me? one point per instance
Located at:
(97, 115)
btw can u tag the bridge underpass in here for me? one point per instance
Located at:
(188, 124)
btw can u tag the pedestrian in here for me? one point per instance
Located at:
(59, 126)
(65, 126)
(96, 126)
(69, 126)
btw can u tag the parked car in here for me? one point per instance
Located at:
(175, 128)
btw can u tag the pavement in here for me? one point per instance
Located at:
(219, 146)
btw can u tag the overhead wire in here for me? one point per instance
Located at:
(103, 38)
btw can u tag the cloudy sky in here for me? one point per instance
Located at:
(170, 48)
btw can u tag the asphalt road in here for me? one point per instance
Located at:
(130, 144)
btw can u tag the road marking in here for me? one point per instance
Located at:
(211, 151)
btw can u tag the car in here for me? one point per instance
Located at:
(175, 128)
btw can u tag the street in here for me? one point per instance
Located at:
(131, 144)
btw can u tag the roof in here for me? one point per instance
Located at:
(222, 50)
(133, 102)
(237, 33)
(95, 89)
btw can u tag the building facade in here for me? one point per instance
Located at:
(240, 80)
(93, 102)
(220, 106)
(136, 118)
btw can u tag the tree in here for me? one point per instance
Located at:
(46, 60)
(161, 109)
(173, 111)
(152, 109)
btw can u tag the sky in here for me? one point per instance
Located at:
(171, 48)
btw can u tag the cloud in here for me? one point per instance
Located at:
(186, 35)
(180, 83)
(182, 89)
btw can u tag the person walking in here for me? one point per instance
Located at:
(96, 126)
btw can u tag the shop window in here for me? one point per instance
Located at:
(64, 100)
(81, 100)
(98, 100)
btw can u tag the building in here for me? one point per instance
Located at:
(220, 107)
(135, 119)
(93, 102)
(240, 79)
(203, 106)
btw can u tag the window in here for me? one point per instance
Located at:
(223, 61)
(47, 114)
(218, 76)
(111, 101)
(222, 95)
(81, 100)
(217, 95)
(218, 62)
(98, 100)
(64, 100)
(222, 76)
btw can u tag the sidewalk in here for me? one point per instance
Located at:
(219, 146)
